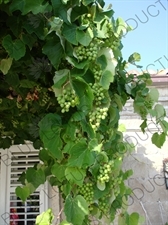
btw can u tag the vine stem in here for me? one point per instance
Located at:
(58, 216)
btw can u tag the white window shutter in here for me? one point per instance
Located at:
(16, 160)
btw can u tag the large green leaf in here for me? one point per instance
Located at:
(80, 156)
(61, 168)
(53, 49)
(69, 31)
(28, 40)
(16, 49)
(75, 209)
(50, 128)
(35, 177)
(75, 175)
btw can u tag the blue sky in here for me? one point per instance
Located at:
(149, 20)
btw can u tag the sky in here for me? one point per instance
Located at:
(149, 37)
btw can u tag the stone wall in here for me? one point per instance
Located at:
(150, 196)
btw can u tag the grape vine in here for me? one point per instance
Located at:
(63, 86)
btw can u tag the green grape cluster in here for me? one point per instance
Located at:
(89, 52)
(96, 116)
(98, 92)
(87, 192)
(111, 41)
(104, 206)
(148, 103)
(67, 99)
(116, 181)
(97, 73)
(105, 171)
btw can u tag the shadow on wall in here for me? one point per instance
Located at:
(149, 196)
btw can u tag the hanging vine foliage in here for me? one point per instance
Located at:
(63, 84)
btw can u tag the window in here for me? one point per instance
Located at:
(13, 211)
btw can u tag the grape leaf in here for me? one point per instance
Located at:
(45, 218)
(85, 94)
(16, 49)
(60, 78)
(84, 37)
(160, 112)
(60, 10)
(50, 128)
(118, 100)
(154, 94)
(158, 139)
(122, 27)
(76, 208)
(75, 63)
(61, 168)
(35, 177)
(134, 218)
(134, 57)
(80, 156)
(22, 192)
(164, 125)
(27, 84)
(53, 49)
(109, 71)
(75, 175)
(143, 125)
(26, 6)
(69, 32)
(5, 65)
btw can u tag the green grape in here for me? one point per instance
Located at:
(111, 41)
(97, 72)
(90, 52)
(104, 172)
(148, 103)
(87, 192)
(67, 99)
(96, 116)
(104, 206)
